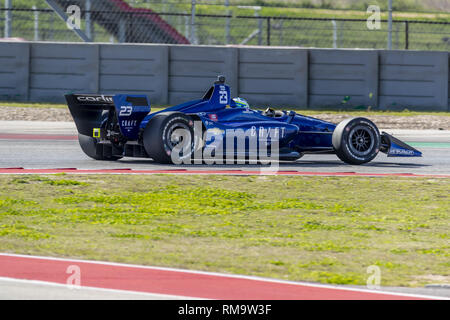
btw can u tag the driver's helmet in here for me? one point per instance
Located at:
(240, 103)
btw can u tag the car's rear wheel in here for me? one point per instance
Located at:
(89, 147)
(169, 137)
(89, 144)
(356, 140)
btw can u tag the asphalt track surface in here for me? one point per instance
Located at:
(46, 145)
(31, 277)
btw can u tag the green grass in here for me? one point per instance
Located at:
(324, 229)
(398, 5)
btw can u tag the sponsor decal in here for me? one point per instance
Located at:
(402, 152)
(263, 132)
(101, 98)
(129, 123)
(213, 117)
(96, 133)
(255, 145)
(125, 111)
(223, 95)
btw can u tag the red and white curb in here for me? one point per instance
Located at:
(177, 282)
(20, 170)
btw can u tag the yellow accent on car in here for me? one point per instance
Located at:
(215, 131)
(96, 133)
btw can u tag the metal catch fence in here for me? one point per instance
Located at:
(117, 21)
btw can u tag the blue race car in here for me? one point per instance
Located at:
(112, 127)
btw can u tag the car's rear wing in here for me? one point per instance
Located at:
(87, 112)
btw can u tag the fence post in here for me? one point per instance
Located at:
(406, 35)
(36, 23)
(8, 18)
(281, 32)
(192, 37)
(335, 37)
(390, 25)
(122, 34)
(88, 20)
(268, 31)
(186, 25)
(395, 30)
(227, 23)
(260, 28)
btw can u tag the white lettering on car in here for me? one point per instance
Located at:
(223, 95)
(125, 111)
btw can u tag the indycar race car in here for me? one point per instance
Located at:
(112, 127)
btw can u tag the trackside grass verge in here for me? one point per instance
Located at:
(324, 229)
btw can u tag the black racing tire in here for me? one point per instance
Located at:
(160, 137)
(356, 140)
(89, 145)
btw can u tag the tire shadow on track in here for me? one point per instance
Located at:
(299, 164)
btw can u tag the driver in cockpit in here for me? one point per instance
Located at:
(239, 103)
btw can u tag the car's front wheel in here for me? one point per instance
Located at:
(356, 140)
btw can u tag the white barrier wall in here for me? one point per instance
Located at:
(170, 74)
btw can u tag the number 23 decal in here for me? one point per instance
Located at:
(223, 95)
(125, 111)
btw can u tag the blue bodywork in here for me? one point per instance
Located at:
(218, 112)
(130, 114)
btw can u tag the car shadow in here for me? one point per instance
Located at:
(298, 165)
(375, 164)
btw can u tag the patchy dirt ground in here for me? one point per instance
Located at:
(34, 114)
(435, 122)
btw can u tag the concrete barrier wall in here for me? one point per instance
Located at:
(56, 69)
(134, 69)
(284, 77)
(14, 71)
(193, 69)
(278, 77)
(418, 77)
(343, 77)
